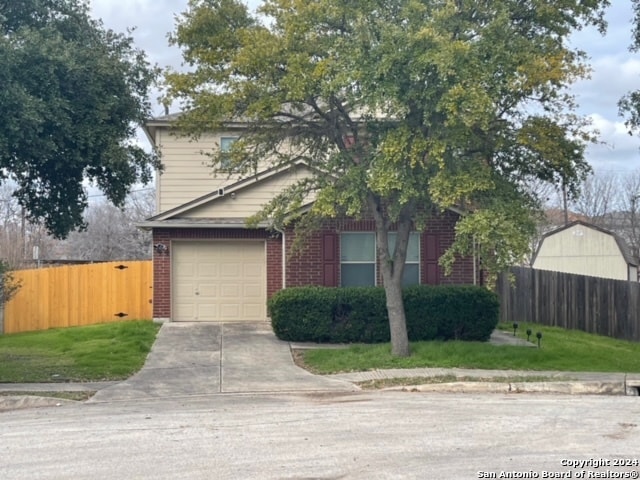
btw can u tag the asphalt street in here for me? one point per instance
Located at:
(330, 435)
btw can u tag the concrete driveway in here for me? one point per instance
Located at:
(190, 359)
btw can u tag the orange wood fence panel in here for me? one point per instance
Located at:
(76, 295)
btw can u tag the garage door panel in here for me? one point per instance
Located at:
(208, 290)
(218, 281)
(208, 312)
(250, 310)
(231, 270)
(207, 270)
(252, 292)
(231, 311)
(252, 270)
(188, 309)
(186, 269)
(185, 288)
(231, 292)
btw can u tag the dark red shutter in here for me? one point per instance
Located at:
(431, 256)
(330, 260)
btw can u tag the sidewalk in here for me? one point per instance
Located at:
(207, 359)
(466, 381)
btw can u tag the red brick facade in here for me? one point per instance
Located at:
(318, 263)
(162, 261)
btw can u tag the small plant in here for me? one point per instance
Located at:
(9, 286)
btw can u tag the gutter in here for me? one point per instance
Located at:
(475, 261)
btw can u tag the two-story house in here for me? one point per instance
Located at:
(209, 266)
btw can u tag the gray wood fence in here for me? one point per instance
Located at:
(595, 305)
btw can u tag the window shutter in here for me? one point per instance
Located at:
(431, 256)
(330, 260)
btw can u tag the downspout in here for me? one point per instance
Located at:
(475, 273)
(284, 255)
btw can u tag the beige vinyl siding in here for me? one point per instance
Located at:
(584, 251)
(187, 174)
(250, 199)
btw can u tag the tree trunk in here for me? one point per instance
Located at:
(397, 319)
(392, 269)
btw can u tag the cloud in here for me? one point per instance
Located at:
(152, 20)
(615, 72)
(613, 76)
(618, 151)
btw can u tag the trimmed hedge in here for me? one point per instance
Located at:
(359, 315)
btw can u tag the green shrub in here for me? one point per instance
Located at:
(350, 315)
(359, 316)
(419, 311)
(303, 314)
(457, 312)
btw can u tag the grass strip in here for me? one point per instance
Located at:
(560, 350)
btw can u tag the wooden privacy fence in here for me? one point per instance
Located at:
(595, 305)
(80, 295)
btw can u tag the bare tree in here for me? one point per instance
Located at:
(628, 226)
(20, 240)
(599, 199)
(549, 200)
(11, 244)
(111, 233)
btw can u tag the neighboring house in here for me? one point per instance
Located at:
(586, 249)
(208, 266)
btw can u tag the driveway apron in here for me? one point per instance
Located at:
(212, 358)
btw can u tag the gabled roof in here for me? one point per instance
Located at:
(152, 125)
(622, 245)
(198, 223)
(172, 217)
(165, 121)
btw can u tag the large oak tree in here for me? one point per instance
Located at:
(402, 107)
(71, 96)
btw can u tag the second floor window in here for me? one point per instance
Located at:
(225, 147)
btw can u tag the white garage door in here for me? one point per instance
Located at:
(218, 281)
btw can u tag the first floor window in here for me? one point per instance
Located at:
(411, 273)
(358, 259)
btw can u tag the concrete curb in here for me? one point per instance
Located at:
(19, 402)
(56, 387)
(560, 388)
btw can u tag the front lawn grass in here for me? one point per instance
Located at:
(563, 350)
(110, 351)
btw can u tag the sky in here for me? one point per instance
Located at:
(616, 70)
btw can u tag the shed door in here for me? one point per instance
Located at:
(218, 281)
